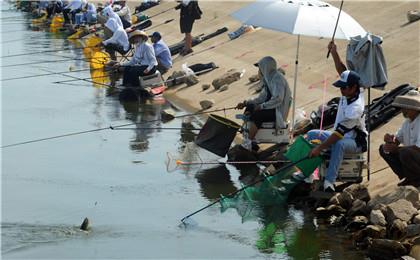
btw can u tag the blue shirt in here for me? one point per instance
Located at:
(163, 54)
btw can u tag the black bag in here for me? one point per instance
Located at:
(195, 10)
(361, 139)
(330, 113)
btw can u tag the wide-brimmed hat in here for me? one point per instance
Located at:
(138, 33)
(411, 100)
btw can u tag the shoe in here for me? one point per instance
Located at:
(328, 186)
(298, 176)
(255, 147)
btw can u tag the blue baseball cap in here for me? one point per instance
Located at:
(156, 35)
(347, 79)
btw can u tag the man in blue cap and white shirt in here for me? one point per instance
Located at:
(162, 53)
(349, 134)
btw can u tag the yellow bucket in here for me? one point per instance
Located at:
(56, 23)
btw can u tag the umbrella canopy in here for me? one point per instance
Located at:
(300, 17)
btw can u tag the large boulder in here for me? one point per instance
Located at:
(416, 218)
(345, 199)
(398, 229)
(227, 78)
(376, 217)
(415, 252)
(403, 192)
(358, 191)
(357, 208)
(357, 223)
(375, 231)
(386, 249)
(413, 230)
(401, 209)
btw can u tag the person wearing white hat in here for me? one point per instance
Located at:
(404, 159)
(142, 63)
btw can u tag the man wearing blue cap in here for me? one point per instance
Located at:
(162, 53)
(349, 134)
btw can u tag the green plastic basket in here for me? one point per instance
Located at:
(299, 150)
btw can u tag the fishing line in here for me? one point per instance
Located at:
(110, 127)
(152, 128)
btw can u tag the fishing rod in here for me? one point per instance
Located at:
(173, 164)
(335, 28)
(73, 77)
(52, 61)
(110, 127)
(243, 188)
(152, 128)
(47, 51)
(166, 81)
(160, 24)
(46, 74)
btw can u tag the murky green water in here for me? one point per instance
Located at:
(118, 178)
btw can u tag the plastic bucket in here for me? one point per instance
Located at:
(299, 150)
(217, 135)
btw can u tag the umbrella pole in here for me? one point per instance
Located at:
(368, 141)
(295, 82)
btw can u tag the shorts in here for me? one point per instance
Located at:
(186, 24)
(261, 116)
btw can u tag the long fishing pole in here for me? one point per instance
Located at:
(110, 127)
(47, 51)
(166, 81)
(152, 128)
(243, 188)
(46, 74)
(336, 24)
(52, 61)
(90, 81)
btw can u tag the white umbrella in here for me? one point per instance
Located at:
(300, 17)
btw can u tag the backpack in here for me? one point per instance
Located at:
(330, 113)
(195, 10)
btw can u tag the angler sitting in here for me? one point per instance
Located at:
(273, 102)
(118, 41)
(142, 63)
(74, 7)
(349, 134)
(162, 53)
(405, 160)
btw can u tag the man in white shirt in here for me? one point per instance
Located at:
(124, 13)
(142, 63)
(405, 160)
(349, 134)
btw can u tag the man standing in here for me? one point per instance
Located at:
(405, 160)
(190, 11)
(349, 135)
(162, 53)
